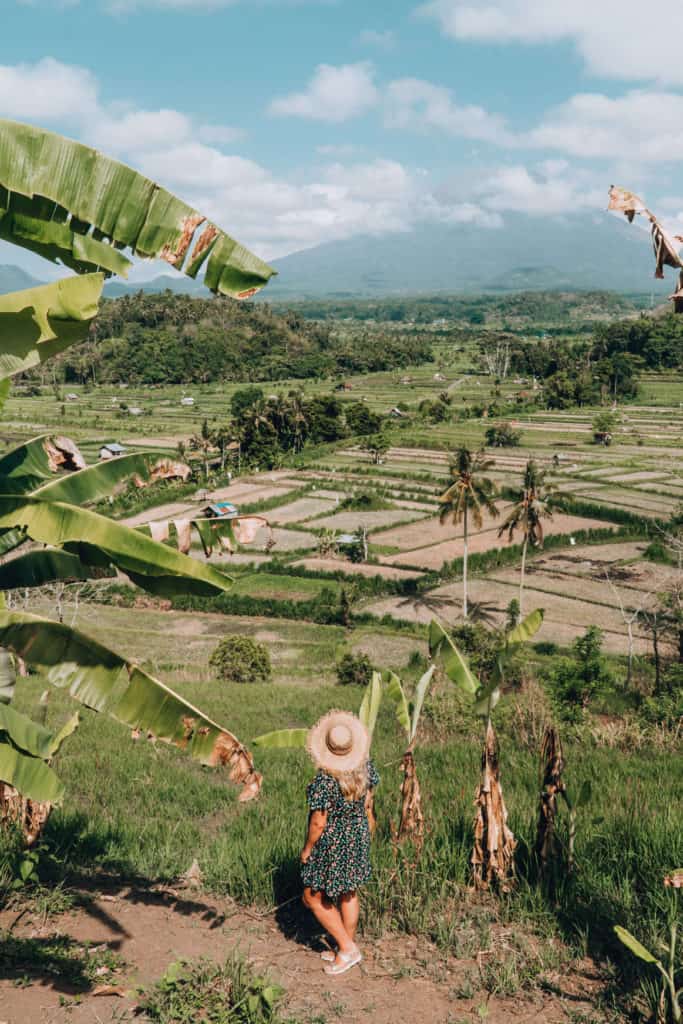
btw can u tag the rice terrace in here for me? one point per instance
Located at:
(241, 518)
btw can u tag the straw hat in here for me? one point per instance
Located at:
(339, 742)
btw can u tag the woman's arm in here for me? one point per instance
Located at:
(316, 826)
(370, 811)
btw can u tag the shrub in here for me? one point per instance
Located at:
(354, 670)
(503, 435)
(576, 681)
(239, 659)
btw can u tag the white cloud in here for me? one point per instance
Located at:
(415, 103)
(550, 190)
(384, 40)
(616, 38)
(139, 130)
(333, 94)
(640, 126)
(47, 90)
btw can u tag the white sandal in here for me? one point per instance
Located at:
(329, 956)
(348, 960)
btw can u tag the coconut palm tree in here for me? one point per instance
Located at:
(469, 496)
(527, 515)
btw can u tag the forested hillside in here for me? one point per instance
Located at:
(170, 339)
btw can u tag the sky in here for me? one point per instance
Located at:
(297, 122)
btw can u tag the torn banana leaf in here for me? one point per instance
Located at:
(32, 464)
(282, 739)
(70, 203)
(108, 683)
(97, 540)
(455, 663)
(372, 698)
(39, 323)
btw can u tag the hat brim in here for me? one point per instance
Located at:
(323, 757)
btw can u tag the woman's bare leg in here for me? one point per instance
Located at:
(325, 912)
(349, 906)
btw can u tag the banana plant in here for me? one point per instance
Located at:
(30, 787)
(106, 682)
(408, 716)
(670, 1007)
(73, 205)
(494, 843)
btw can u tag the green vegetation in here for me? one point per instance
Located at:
(354, 670)
(239, 659)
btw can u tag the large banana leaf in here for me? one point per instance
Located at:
(69, 202)
(39, 323)
(36, 568)
(106, 682)
(369, 707)
(98, 481)
(34, 463)
(418, 700)
(456, 664)
(31, 776)
(282, 739)
(91, 536)
(396, 693)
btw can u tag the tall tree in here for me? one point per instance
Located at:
(527, 515)
(468, 497)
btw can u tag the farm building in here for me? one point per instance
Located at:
(71, 397)
(112, 451)
(220, 510)
(187, 401)
(135, 410)
(344, 386)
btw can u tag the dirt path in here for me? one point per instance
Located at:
(401, 979)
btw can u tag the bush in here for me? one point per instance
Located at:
(355, 670)
(503, 435)
(576, 681)
(239, 659)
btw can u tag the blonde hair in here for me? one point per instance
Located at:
(354, 785)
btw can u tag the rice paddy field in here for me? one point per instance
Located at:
(517, 955)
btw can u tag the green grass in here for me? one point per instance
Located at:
(143, 812)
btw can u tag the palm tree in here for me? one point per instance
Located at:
(527, 514)
(470, 494)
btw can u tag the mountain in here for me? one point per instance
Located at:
(581, 252)
(14, 279)
(578, 252)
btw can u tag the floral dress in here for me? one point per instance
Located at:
(340, 860)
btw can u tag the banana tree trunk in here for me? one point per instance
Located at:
(28, 815)
(521, 579)
(494, 843)
(553, 786)
(412, 818)
(464, 565)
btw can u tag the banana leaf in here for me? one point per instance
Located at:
(282, 739)
(418, 700)
(456, 664)
(8, 676)
(372, 699)
(98, 481)
(24, 734)
(41, 322)
(34, 463)
(71, 203)
(395, 693)
(29, 775)
(106, 682)
(85, 533)
(36, 568)
(526, 629)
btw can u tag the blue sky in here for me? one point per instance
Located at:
(295, 122)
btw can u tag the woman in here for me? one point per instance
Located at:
(335, 860)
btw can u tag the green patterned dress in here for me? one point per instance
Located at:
(340, 860)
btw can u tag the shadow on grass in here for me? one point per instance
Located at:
(57, 961)
(291, 916)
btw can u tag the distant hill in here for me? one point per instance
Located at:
(14, 279)
(577, 252)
